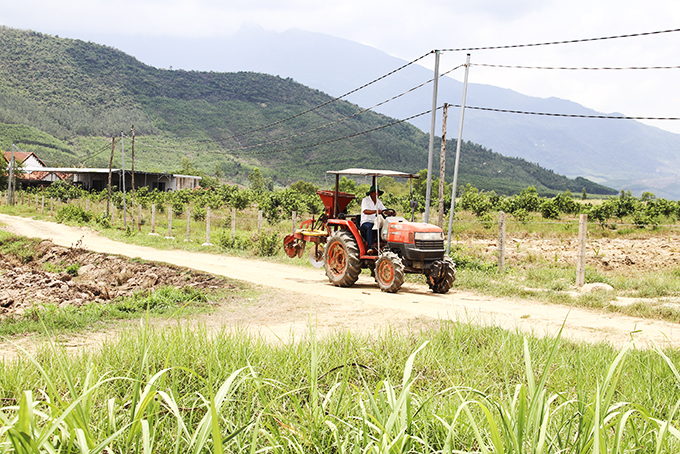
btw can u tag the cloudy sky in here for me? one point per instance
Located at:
(409, 29)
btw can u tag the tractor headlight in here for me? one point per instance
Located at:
(429, 236)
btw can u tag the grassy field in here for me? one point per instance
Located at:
(454, 388)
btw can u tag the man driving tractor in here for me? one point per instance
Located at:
(371, 207)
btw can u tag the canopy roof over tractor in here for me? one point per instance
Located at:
(374, 173)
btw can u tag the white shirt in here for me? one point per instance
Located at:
(367, 204)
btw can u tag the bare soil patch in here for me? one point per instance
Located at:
(94, 277)
(623, 255)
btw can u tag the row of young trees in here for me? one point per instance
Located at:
(301, 197)
(643, 211)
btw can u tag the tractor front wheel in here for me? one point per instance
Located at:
(444, 282)
(389, 272)
(341, 259)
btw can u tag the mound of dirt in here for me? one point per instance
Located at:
(74, 276)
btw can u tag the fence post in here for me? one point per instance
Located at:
(259, 221)
(112, 208)
(207, 228)
(169, 236)
(581, 261)
(87, 204)
(153, 219)
(188, 238)
(501, 242)
(51, 206)
(139, 223)
(294, 220)
(233, 222)
(42, 205)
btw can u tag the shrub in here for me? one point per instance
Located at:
(239, 242)
(73, 213)
(198, 214)
(521, 215)
(103, 221)
(268, 245)
(566, 204)
(177, 207)
(549, 209)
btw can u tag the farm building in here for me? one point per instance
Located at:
(36, 173)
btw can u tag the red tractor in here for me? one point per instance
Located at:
(402, 246)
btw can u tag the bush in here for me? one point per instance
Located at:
(198, 214)
(103, 221)
(239, 242)
(566, 204)
(73, 213)
(549, 209)
(268, 245)
(528, 200)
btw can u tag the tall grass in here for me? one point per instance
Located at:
(455, 389)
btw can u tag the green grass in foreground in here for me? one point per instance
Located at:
(455, 388)
(165, 301)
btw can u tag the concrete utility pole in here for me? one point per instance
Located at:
(132, 184)
(122, 173)
(108, 201)
(442, 166)
(460, 140)
(435, 88)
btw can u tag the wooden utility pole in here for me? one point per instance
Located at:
(133, 165)
(10, 179)
(108, 201)
(442, 167)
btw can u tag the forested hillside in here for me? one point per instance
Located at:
(65, 99)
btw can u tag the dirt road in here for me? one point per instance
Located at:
(303, 295)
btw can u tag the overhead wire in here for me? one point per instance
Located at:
(326, 125)
(551, 43)
(607, 117)
(584, 68)
(95, 154)
(322, 104)
(345, 137)
(244, 149)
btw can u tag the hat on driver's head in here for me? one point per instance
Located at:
(374, 189)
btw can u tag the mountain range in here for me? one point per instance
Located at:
(623, 154)
(65, 99)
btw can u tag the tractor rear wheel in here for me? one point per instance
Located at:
(341, 259)
(389, 272)
(444, 282)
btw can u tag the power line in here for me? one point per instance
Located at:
(323, 104)
(572, 41)
(301, 147)
(303, 133)
(604, 68)
(97, 153)
(607, 117)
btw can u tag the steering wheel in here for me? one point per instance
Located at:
(388, 212)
